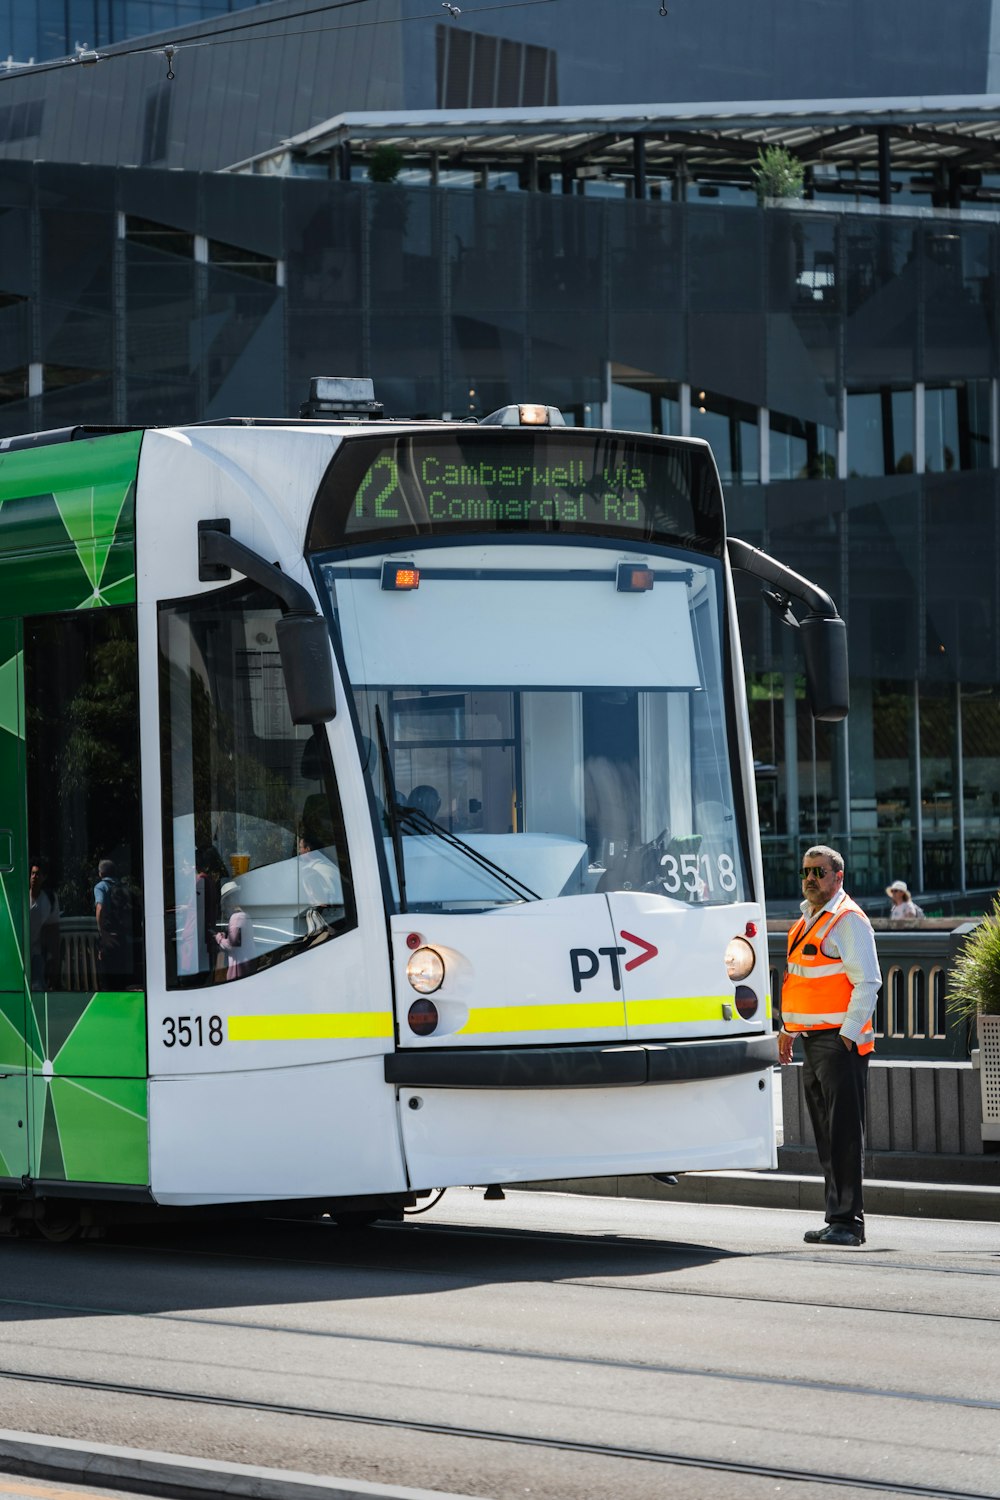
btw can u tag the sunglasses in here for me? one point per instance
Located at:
(816, 870)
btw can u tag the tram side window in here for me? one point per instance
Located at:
(82, 752)
(255, 855)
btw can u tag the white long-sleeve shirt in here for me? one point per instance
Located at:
(853, 942)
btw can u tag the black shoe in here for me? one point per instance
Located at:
(841, 1234)
(813, 1236)
(667, 1178)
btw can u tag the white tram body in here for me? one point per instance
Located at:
(558, 969)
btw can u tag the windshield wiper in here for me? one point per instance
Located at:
(417, 819)
(392, 809)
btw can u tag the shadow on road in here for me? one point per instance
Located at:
(259, 1263)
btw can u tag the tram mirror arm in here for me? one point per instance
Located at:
(822, 631)
(302, 634)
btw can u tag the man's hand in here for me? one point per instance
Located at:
(785, 1045)
(846, 1041)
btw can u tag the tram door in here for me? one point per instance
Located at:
(14, 1128)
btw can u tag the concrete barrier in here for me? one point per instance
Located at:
(923, 1124)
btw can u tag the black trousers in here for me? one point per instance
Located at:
(835, 1081)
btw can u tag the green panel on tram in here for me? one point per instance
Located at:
(71, 506)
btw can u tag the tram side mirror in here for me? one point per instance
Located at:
(304, 644)
(824, 646)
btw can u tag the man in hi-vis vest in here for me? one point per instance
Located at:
(829, 992)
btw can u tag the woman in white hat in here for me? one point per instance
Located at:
(903, 905)
(237, 942)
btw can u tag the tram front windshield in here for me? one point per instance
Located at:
(539, 723)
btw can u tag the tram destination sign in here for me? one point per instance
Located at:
(537, 480)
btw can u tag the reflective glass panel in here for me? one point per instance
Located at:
(880, 432)
(82, 748)
(732, 432)
(801, 450)
(957, 424)
(255, 857)
(550, 746)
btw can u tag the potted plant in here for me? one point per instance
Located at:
(778, 174)
(974, 995)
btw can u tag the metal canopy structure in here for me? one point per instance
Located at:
(957, 139)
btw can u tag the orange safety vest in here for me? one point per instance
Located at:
(816, 992)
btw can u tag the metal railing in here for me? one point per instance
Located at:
(911, 1018)
(78, 961)
(875, 858)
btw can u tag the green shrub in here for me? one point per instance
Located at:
(974, 982)
(385, 163)
(778, 174)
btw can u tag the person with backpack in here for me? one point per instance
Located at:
(113, 911)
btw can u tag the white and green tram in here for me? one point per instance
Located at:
(377, 813)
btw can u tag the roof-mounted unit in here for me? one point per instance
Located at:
(342, 398)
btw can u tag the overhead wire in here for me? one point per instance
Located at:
(224, 35)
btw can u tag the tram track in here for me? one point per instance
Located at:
(506, 1352)
(431, 1256)
(667, 1458)
(595, 1282)
(864, 1263)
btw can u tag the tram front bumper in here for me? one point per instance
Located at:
(585, 1066)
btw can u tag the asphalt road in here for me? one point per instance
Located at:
(549, 1346)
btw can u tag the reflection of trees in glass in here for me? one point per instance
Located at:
(200, 741)
(220, 768)
(83, 749)
(819, 466)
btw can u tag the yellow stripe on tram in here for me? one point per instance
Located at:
(680, 1011)
(514, 1018)
(309, 1027)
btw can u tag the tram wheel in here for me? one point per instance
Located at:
(59, 1225)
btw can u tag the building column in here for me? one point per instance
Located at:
(919, 429)
(764, 444)
(916, 791)
(606, 418)
(958, 792)
(678, 191)
(884, 165)
(793, 821)
(639, 164)
(859, 812)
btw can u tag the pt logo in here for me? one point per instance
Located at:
(585, 962)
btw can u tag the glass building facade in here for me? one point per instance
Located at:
(842, 364)
(35, 30)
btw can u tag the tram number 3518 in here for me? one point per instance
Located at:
(692, 871)
(192, 1031)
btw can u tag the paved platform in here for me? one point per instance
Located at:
(932, 1200)
(136, 1470)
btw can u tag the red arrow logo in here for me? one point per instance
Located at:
(648, 950)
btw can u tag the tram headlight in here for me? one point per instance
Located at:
(425, 970)
(740, 958)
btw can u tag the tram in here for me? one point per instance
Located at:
(376, 812)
